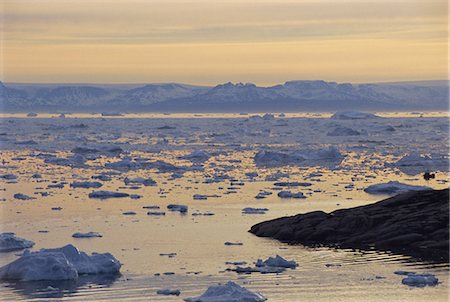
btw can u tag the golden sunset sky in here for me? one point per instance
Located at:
(209, 42)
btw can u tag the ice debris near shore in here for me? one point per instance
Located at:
(353, 115)
(107, 194)
(10, 242)
(65, 263)
(393, 187)
(86, 235)
(268, 158)
(277, 261)
(230, 292)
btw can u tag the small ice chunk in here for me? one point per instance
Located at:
(129, 213)
(86, 235)
(249, 210)
(8, 176)
(156, 213)
(107, 194)
(233, 243)
(289, 194)
(10, 242)
(86, 184)
(167, 292)
(420, 280)
(178, 207)
(199, 197)
(21, 196)
(140, 180)
(230, 292)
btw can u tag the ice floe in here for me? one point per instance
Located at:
(10, 242)
(107, 194)
(86, 184)
(167, 292)
(250, 210)
(289, 194)
(393, 187)
(86, 235)
(177, 208)
(21, 196)
(420, 280)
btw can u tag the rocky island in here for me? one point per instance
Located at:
(412, 223)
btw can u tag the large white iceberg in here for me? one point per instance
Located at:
(10, 242)
(393, 187)
(230, 292)
(64, 263)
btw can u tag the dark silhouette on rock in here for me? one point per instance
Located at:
(412, 223)
(428, 175)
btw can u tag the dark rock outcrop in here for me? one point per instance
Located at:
(413, 223)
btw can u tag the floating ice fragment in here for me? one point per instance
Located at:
(230, 292)
(289, 194)
(420, 280)
(21, 196)
(393, 187)
(167, 292)
(249, 210)
(233, 243)
(178, 207)
(86, 184)
(64, 263)
(9, 242)
(86, 235)
(107, 194)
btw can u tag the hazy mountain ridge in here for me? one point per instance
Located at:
(290, 96)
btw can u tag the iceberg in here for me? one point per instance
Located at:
(65, 263)
(393, 187)
(230, 292)
(10, 242)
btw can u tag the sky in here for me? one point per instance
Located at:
(207, 42)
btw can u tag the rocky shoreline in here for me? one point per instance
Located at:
(412, 223)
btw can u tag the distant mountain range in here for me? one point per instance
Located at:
(229, 97)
